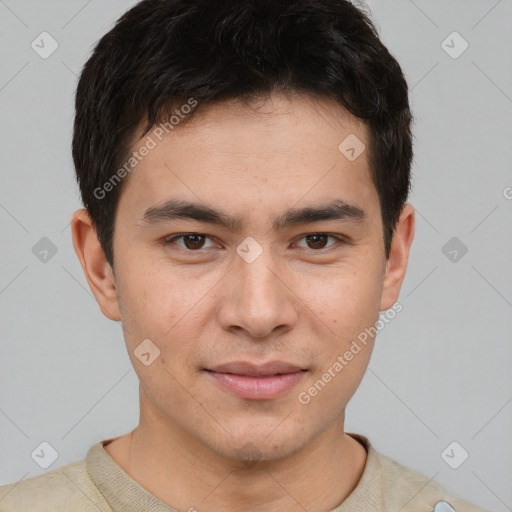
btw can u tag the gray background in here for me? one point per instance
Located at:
(441, 369)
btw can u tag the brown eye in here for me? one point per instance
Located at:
(318, 241)
(192, 242)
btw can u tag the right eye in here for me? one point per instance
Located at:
(192, 242)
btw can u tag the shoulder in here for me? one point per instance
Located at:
(388, 486)
(409, 491)
(60, 490)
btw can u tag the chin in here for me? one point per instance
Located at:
(257, 445)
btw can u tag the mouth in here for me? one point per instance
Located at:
(256, 382)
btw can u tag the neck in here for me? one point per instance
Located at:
(187, 475)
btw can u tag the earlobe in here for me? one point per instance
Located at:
(97, 270)
(396, 265)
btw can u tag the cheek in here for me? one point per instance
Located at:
(149, 290)
(345, 300)
(156, 308)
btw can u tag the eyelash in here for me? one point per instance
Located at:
(340, 241)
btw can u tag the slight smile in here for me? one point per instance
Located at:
(256, 382)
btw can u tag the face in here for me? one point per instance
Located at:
(248, 309)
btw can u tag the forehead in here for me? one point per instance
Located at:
(278, 125)
(278, 151)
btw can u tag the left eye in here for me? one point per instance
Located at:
(319, 239)
(194, 241)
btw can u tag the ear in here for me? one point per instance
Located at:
(398, 257)
(97, 270)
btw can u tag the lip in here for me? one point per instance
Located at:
(256, 382)
(256, 370)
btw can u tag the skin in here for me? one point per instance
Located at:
(198, 445)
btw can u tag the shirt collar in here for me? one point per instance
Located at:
(124, 494)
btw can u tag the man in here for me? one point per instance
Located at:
(244, 168)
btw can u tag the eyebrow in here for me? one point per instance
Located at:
(170, 210)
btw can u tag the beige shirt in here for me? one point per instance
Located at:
(99, 484)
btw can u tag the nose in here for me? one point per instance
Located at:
(259, 298)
